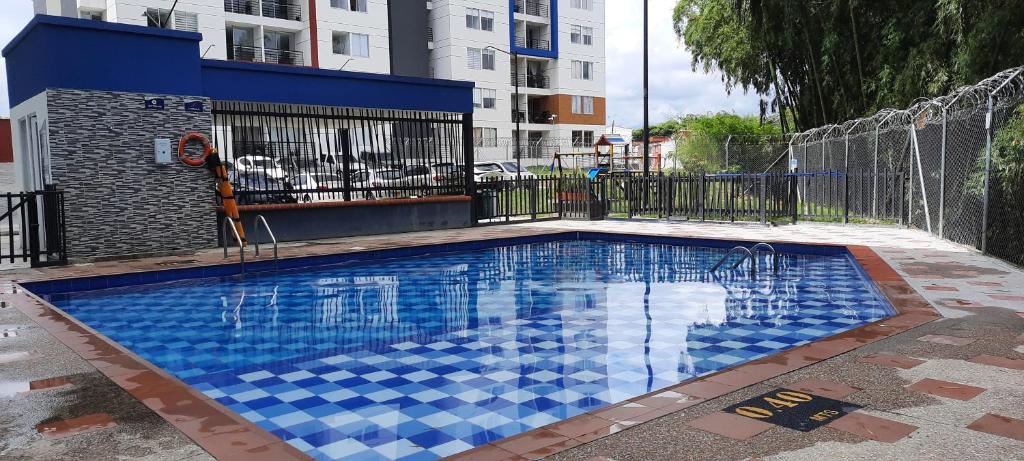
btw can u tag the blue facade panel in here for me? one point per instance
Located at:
(58, 52)
(242, 81)
(553, 18)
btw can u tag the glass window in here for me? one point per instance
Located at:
(484, 98)
(156, 17)
(582, 70)
(186, 21)
(472, 18)
(488, 59)
(582, 138)
(351, 5)
(511, 167)
(576, 34)
(93, 15)
(474, 59)
(487, 20)
(583, 105)
(583, 4)
(486, 137)
(588, 35)
(351, 44)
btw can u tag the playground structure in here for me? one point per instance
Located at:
(611, 154)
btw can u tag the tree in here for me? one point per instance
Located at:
(701, 139)
(832, 60)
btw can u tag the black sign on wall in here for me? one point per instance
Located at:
(793, 409)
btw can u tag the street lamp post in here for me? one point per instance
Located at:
(515, 82)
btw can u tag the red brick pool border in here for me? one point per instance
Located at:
(226, 435)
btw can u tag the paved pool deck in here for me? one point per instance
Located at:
(950, 386)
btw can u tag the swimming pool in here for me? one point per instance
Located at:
(423, 352)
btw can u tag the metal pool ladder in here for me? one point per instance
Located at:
(256, 237)
(751, 254)
(227, 223)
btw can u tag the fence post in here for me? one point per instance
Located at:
(874, 181)
(467, 154)
(763, 179)
(794, 195)
(33, 227)
(988, 172)
(942, 178)
(703, 193)
(846, 181)
(727, 141)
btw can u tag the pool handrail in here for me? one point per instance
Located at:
(256, 236)
(754, 250)
(737, 249)
(228, 223)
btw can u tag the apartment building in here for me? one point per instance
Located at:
(553, 49)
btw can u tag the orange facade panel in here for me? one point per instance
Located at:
(561, 105)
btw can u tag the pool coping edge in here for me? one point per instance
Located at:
(225, 434)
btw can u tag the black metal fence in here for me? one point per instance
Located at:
(287, 154)
(32, 228)
(712, 197)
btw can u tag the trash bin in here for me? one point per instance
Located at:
(487, 202)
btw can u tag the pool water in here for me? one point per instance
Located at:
(424, 357)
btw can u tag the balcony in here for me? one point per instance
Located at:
(518, 116)
(532, 8)
(280, 9)
(268, 55)
(533, 43)
(531, 80)
(290, 57)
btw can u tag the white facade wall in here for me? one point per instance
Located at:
(448, 55)
(373, 23)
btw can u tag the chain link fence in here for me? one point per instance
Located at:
(952, 166)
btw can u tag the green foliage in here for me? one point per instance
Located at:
(832, 60)
(667, 128)
(1006, 212)
(701, 139)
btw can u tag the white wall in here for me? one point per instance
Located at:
(26, 142)
(374, 23)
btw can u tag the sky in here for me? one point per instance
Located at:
(674, 88)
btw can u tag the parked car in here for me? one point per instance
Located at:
(446, 174)
(506, 170)
(307, 185)
(418, 175)
(260, 188)
(487, 172)
(386, 178)
(259, 165)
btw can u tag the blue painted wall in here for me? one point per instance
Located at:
(58, 52)
(553, 17)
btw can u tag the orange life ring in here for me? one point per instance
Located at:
(207, 148)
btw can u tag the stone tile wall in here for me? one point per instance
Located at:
(120, 202)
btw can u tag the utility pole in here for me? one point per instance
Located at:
(647, 127)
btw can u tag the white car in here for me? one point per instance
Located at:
(259, 165)
(384, 178)
(506, 170)
(317, 187)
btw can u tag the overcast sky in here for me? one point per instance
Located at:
(675, 89)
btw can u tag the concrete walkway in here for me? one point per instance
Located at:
(952, 388)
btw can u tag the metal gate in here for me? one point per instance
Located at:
(32, 228)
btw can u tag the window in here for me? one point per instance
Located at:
(351, 5)
(351, 44)
(581, 138)
(581, 35)
(477, 58)
(156, 17)
(583, 105)
(479, 19)
(583, 4)
(94, 15)
(582, 70)
(485, 137)
(484, 98)
(186, 21)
